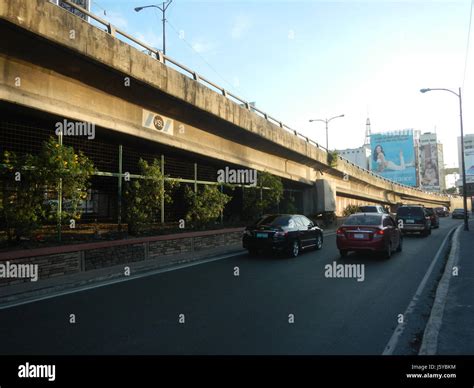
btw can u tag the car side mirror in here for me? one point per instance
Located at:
(310, 225)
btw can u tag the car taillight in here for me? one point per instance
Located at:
(380, 232)
(340, 232)
(280, 234)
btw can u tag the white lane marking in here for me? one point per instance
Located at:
(392, 343)
(429, 344)
(111, 282)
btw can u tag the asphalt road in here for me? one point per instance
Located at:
(245, 314)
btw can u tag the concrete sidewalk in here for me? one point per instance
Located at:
(450, 330)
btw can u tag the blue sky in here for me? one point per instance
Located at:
(315, 59)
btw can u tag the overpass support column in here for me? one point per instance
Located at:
(319, 198)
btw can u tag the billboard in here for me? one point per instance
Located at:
(468, 157)
(469, 163)
(429, 166)
(82, 3)
(393, 156)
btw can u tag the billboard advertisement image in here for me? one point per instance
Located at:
(429, 166)
(393, 156)
(469, 162)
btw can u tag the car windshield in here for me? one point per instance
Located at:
(459, 210)
(274, 220)
(363, 219)
(409, 211)
(429, 211)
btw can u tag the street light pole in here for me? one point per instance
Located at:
(326, 121)
(163, 9)
(464, 184)
(463, 164)
(327, 135)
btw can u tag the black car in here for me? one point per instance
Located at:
(433, 217)
(413, 219)
(458, 213)
(442, 211)
(289, 233)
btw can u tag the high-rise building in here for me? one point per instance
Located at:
(360, 156)
(431, 162)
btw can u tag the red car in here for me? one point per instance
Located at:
(369, 232)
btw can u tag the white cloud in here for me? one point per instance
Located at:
(201, 46)
(116, 19)
(240, 26)
(150, 38)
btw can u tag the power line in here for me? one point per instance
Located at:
(205, 61)
(467, 46)
(99, 6)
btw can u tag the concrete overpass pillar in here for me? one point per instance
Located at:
(320, 198)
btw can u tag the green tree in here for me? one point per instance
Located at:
(332, 158)
(28, 180)
(67, 172)
(22, 195)
(288, 204)
(451, 190)
(205, 205)
(143, 196)
(264, 197)
(350, 209)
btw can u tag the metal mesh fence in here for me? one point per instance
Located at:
(26, 135)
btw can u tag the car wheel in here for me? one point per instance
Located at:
(343, 252)
(294, 248)
(319, 241)
(400, 244)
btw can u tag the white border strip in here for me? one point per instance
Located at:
(429, 345)
(392, 343)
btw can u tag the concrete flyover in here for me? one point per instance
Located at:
(53, 61)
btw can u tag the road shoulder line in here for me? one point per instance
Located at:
(429, 345)
(393, 341)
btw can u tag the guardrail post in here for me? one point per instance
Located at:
(111, 29)
(159, 55)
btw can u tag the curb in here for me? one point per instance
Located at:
(429, 345)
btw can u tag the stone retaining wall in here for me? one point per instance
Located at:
(67, 260)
